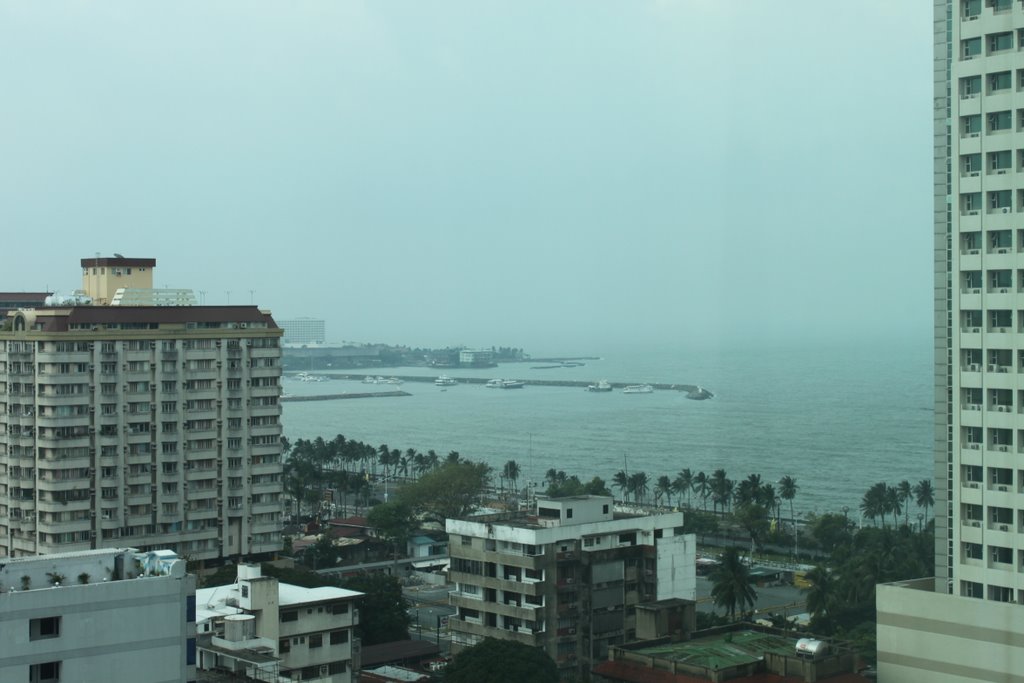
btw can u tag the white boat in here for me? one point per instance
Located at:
(601, 386)
(393, 380)
(638, 389)
(369, 380)
(512, 384)
(445, 381)
(494, 383)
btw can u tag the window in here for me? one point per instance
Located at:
(999, 81)
(190, 651)
(1000, 120)
(47, 627)
(285, 645)
(245, 590)
(190, 608)
(973, 551)
(339, 608)
(337, 667)
(47, 672)
(316, 640)
(339, 637)
(290, 615)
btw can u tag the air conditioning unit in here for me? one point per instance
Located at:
(992, 368)
(1002, 290)
(975, 523)
(973, 252)
(974, 330)
(1003, 448)
(973, 367)
(1001, 487)
(972, 446)
(572, 632)
(972, 484)
(1004, 527)
(1002, 171)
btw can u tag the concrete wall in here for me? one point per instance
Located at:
(927, 637)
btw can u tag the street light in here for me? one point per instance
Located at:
(846, 510)
(920, 522)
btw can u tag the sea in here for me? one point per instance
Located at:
(836, 417)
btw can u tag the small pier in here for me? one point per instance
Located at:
(429, 379)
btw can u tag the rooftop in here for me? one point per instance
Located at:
(723, 650)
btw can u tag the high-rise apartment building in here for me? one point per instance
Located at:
(966, 623)
(303, 331)
(154, 426)
(567, 577)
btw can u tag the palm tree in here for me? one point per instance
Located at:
(638, 484)
(433, 461)
(511, 472)
(873, 502)
(684, 484)
(771, 501)
(718, 488)
(621, 481)
(663, 488)
(823, 594)
(701, 486)
(905, 493)
(731, 584)
(787, 491)
(924, 495)
(892, 504)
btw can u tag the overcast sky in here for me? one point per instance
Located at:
(538, 174)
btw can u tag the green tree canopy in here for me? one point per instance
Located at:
(731, 584)
(383, 615)
(501, 661)
(450, 491)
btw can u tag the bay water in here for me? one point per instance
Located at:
(838, 418)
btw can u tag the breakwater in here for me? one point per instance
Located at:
(362, 394)
(581, 384)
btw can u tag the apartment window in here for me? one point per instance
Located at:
(997, 42)
(47, 627)
(970, 201)
(285, 645)
(316, 640)
(1000, 593)
(999, 81)
(47, 672)
(290, 615)
(339, 608)
(970, 48)
(970, 86)
(1000, 161)
(1001, 555)
(1000, 120)
(337, 667)
(999, 200)
(973, 551)
(339, 637)
(971, 8)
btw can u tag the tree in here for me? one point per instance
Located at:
(924, 495)
(873, 502)
(683, 483)
(663, 489)
(621, 481)
(787, 491)
(823, 594)
(701, 487)
(501, 661)
(732, 584)
(892, 504)
(449, 492)
(383, 615)
(511, 472)
(905, 494)
(393, 522)
(638, 486)
(753, 518)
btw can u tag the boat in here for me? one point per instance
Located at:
(699, 394)
(638, 389)
(602, 386)
(512, 384)
(369, 380)
(393, 380)
(445, 381)
(494, 383)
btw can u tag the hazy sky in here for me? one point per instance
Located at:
(543, 174)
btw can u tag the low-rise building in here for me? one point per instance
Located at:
(260, 629)
(97, 615)
(567, 577)
(476, 358)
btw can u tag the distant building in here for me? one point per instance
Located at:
(567, 578)
(10, 301)
(259, 629)
(97, 615)
(476, 358)
(303, 331)
(158, 424)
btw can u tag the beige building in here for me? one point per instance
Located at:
(966, 624)
(567, 577)
(157, 427)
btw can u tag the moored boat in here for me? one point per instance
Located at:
(445, 381)
(494, 383)
(638, 389)
(512, 384)
(601, 386)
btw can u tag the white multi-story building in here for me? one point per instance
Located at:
(966, 623)
(98, 615)
(567, 577)
(263, 630)
(303, 331)
(155, 424)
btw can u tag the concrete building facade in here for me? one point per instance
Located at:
(566, 577)
(155, 426)
(965, 624)
(99, 615)
(260, 629)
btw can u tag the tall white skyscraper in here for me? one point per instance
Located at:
(968, 623)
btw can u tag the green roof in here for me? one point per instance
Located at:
(722, 651)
